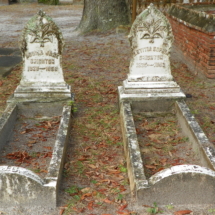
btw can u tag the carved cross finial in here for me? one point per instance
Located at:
(41, 13)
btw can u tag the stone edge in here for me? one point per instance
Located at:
(135, 166)
(199, 14)
(56, 164)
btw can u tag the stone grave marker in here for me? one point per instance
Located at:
(41, 45)
(149, 73)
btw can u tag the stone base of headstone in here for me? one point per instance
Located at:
(43, 92)
(150, 96)
(150, 87)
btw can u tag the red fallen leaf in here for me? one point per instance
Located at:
(116, 138)
(47, 147)
(27, 130)
(90, 205)
(107, 201)
(114, 171)
(163, 161)
(150, 166)
(61, 211)
(48, 154)
(43, 170)
(86, 138)
(86, 195)
(32, 141)
(102, 190)
(92, 166)
(213, 108)
(124, 213)
(158, 170)
(183, 212)
(20, 156)
(123, 207)
(82, 158)
(1, 83)
(147, 206)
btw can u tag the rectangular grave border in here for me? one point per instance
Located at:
(149, 191)
(28, 189)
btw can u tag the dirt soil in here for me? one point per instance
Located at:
(95, 178)
(162, 144)
(31, 144)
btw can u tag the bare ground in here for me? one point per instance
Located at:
(95, 179)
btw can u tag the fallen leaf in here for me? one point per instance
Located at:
(1, 83)
(90, 205)
(86, 195)
(32, 141)
(92, 166)
(123, 207)
(107, 201)
(150, 166)
(154, 136)
(124, 213)
(183, 212)
(47, 147)
(86, 189)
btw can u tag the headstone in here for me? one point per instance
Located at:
(41, 45)
(151, 40)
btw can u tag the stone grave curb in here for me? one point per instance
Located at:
(182, 184)
(26, 188)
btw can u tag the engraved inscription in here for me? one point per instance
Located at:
(151, 57)
(33, 68)
(42, 61)
(51, 69)
(38, 62)
(156, 64)
(35, 53)
(150, 49)
(52, 54)
(40, 53)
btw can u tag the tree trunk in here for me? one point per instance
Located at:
(103, 15)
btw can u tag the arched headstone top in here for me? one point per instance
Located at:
(151, 24)
(41, 29)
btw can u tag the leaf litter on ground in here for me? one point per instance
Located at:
(95, 65)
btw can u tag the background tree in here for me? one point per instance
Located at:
(103, 15)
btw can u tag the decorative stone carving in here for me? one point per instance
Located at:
(149, 73)
(41, 45)
(151, 39)
(149, 77)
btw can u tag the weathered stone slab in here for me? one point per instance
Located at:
(181, 184)
(149, 73)
(22, 186)
(42, 45)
